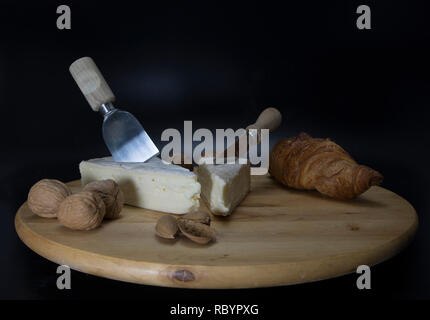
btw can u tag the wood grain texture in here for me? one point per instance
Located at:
(277, 236)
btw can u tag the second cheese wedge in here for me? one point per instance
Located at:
(224, 186)
(154, 185)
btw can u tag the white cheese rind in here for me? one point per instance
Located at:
(154, 185)
(224, 186)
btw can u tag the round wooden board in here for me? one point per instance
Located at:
(276, 237)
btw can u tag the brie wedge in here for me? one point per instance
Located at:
(155, 184)
(224, 186)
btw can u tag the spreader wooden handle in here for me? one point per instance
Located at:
(270, 119)
(91, 82)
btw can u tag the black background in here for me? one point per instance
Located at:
(217, 64)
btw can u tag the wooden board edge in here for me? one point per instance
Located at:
(210, 277)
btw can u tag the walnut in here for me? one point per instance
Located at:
(111, 194)
(45, 197)
(82, 211)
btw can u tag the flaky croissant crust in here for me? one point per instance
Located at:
(307, 163)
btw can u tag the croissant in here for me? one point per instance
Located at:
(307, 163)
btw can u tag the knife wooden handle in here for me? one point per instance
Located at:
(91, 82)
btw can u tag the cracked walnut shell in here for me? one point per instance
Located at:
(196, 231)
(82, 211)
(198, 216)
(167, 227)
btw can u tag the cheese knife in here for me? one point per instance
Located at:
(124, 136)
